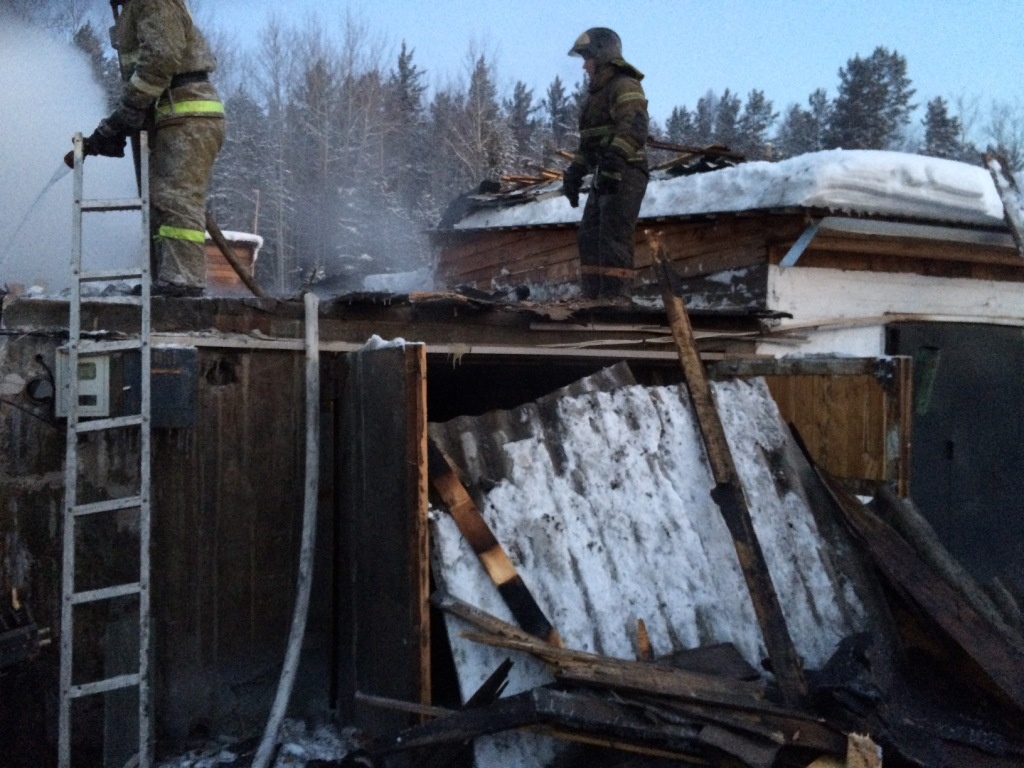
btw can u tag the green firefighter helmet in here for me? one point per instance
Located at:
(598, 43)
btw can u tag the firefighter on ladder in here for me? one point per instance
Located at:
(613, 133)
(166, 63)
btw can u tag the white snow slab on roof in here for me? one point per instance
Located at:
(620, 526)
(874, 182)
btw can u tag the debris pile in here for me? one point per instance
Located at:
(598, 609)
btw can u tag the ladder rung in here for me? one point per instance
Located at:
(118, 422)
(124, 204)
(104, 347)
(107, 593)
(104, 686)
(111, 505)
(102, 275)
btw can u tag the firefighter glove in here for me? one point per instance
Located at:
(104, 142)
(572, 182)
(609, 173)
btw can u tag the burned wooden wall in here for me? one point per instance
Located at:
(227, 512)
(227, 522)
(383, 631)
(547, 255)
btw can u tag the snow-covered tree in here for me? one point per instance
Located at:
(478, 139)
(405, 143)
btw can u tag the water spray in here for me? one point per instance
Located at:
(60, 173)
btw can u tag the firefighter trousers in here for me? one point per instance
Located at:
(605, 236)
(180, 164)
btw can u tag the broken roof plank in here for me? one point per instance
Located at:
(1002, 665)
(673, 680)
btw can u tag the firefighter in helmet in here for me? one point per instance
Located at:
(613, 134)
(166, 65)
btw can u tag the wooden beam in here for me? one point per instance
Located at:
(729, 495)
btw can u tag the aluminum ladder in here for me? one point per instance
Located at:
(135, 508)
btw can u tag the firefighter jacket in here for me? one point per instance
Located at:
(165, 62)
(614, 119)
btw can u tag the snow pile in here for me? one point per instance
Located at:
(620, 526)
(849, 181)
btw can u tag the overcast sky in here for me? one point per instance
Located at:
(786, 48)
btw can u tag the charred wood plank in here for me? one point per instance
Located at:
(492, 556)
(791, 729)
(909, 523)
(750, 750)
(488, 693)
(721, 660)
(465, 725)
(1001, 664)
(669, 679)
(728, 493)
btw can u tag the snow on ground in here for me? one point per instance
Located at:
(299, 745)
(620, 526)
(849, 181)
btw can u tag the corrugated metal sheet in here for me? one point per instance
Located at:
(600, 496)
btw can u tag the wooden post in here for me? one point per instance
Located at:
(728, 491)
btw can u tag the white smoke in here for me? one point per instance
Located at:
(48, 93)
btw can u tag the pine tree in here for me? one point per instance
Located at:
(873, 105)
(753, 125)
(803, 130)
(86, 40)
(704, 119)
(519, 111)
(105, 69)
(405, 141)
(560, 113)
(679, 128)
(479, 139)
(315, 153)
(941, 131)
(726, 119)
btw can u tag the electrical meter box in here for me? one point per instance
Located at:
(109, 386)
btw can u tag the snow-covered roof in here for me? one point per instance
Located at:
(866, 182)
